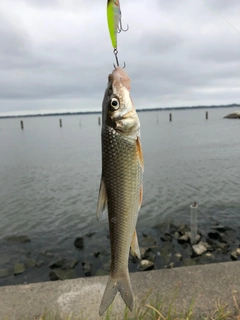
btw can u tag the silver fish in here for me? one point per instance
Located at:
(121, 183)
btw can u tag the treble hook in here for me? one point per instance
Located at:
(116, 57)
(120, 27)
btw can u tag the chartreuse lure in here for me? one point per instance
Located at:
(114, 23)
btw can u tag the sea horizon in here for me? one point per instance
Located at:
(44, 113)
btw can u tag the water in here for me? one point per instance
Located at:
(49, 176)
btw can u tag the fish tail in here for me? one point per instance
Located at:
(114, 285)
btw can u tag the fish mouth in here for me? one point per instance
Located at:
(120, 76)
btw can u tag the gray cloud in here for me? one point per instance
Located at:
(57, 54)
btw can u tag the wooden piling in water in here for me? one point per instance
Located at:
(99, 121)
(22, 125)
(60, 123)
(170, 117)
(206, 114)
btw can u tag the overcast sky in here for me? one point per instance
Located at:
(55, 55)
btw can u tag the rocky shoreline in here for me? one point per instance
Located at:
(163, 246)
(234, 115)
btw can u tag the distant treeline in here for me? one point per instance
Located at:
(99, 112)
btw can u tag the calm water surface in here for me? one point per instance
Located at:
(49, 176)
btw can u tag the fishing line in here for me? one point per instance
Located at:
(217, 14)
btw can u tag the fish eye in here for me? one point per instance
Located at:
(114, 103)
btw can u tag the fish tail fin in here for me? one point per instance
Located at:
(114, 285)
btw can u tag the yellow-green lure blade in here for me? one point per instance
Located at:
(113, 17)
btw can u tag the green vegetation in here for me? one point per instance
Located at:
(164, 309)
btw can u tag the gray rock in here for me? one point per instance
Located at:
(178, 256)
(101, 272)
(238, 252)
(30, 263)
(234, 115)
(209, 255)
(20, 239)
(199, 249)
(145, 265)
(162, 226)
(19, 268)
(224, 247)
(206, 245)
(39, 263)
(107, 266)
(183, 228)
(221, 228)
(96, 253)
(189, 262)
(187, 249)
(4, 273)
(61, 274)
(198, 237)
(148, 255)
(234, 255)
(87, 268)
(90, 234)
(166, 237)
(47, 254)
(102, 253)
(169, 266)
(172, 228)
(143, 251)
(79, 243)
(205, 258)
(147, 241)
(166, 251)
(57, 263)
(214, 235)
(176, 235)
(73, 263)
(183, 239)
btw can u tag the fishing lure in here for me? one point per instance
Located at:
(114, 23)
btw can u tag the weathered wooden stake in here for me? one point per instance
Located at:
(22, 126)
(99, 121)
(170, 117)
(206, 114)
(60, 123)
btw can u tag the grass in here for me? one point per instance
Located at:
(161, 309)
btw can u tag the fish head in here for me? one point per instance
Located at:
(118, 110)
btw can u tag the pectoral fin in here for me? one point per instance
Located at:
(102, 200)
(139, 152)
(135, 252)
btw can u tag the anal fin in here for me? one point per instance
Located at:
(135, 251)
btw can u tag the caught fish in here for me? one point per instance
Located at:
(121, 183)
